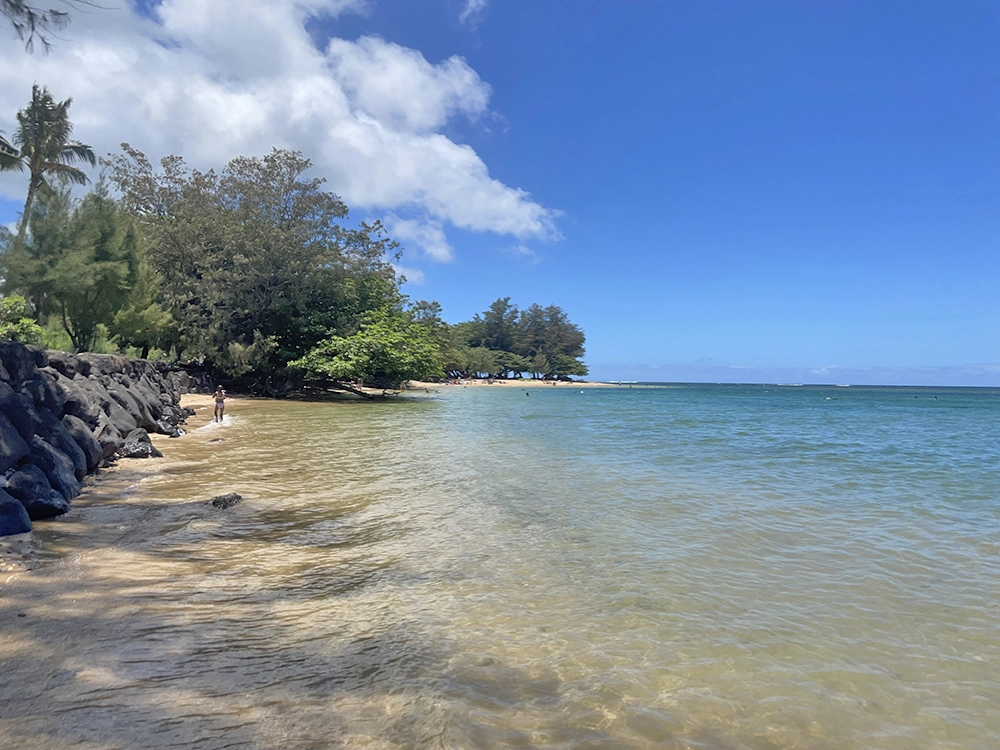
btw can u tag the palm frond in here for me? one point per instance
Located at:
(74, 151)
(72, 174)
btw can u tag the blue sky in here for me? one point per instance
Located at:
(741, 191)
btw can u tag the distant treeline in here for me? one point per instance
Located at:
(505, 341)
(250, 271)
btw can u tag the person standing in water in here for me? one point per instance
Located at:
(220, 403)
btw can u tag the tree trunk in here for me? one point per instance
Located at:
(351, 389)
(33, 185)
(39, 303)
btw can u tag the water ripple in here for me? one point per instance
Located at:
(738, 568)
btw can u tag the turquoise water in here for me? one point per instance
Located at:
(731, 567)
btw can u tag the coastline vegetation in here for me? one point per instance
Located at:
(251, 272)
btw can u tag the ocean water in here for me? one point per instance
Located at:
(711, 567)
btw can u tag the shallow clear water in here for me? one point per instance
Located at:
(683, 567)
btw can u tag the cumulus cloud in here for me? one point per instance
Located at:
(397, 86)
(429, 236)
(212, 79)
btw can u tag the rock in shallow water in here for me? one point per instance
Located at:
(138, 445)
(13, 517)
(226, 501)
(57, 467)
(165, 428)
(30, 485)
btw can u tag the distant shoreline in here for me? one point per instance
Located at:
(510, 383)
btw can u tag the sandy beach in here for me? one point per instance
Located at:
(513, 383)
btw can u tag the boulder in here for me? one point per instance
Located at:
(56, 435)
(13, 517)
(165, 428)
(41, 356)
(138, 445)
(12, 446)
(174, 414)
(34, 389)
(82, 400)
(82, 435)
(109, 437)
(68, 364)
(20, 410)
(133, 404)
(104, 364)
(6, 394)
(150, 394)
(121, 418)
(18, 360)
(53, 397)
(57, 467)
(180, 381)
(30, 485)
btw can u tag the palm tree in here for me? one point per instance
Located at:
(42, 145)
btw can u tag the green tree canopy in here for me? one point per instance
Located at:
(15, 323)
(78, 262)
(387, 350)
(258, 253)
(539, 340)
(499, 326)
(142, 322)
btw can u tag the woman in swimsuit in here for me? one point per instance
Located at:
(220, 403)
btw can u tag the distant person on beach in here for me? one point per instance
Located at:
(220, 403)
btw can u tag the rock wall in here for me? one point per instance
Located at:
(63, 416)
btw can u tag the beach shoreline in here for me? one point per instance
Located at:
(510, 383)
(21, 553)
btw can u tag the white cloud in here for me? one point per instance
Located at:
(473, 12)
(523, 251)
(212, 79)
(427, 235)
(397, 85)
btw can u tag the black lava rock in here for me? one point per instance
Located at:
(138, 445)
(227, 501)
(13, 517)
(30, 485)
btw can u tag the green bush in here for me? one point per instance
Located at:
(15, 324)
